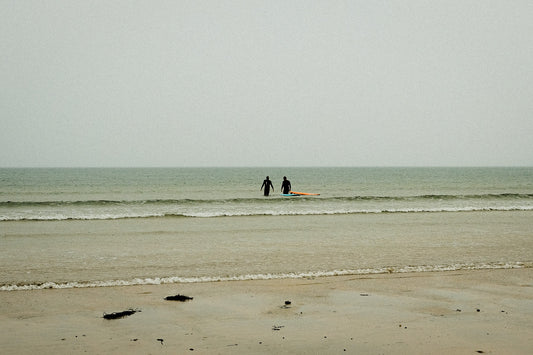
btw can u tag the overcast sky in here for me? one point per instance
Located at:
(266, 83)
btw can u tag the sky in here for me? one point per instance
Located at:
(266, 83)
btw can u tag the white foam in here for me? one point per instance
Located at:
(268, 276)
(15, 216)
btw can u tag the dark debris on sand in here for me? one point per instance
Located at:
(117, 315)
(180, 298)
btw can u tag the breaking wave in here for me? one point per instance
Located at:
(274, 206)
(303, 275)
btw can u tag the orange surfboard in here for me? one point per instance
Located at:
(304, 193)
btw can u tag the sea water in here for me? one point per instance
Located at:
(102, 227)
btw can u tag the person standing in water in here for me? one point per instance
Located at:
(285, 185)
(267, 184)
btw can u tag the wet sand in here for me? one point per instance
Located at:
(459, 312)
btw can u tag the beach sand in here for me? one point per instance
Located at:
(457, 312)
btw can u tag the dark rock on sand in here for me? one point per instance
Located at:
(180, 298)
(117, 315)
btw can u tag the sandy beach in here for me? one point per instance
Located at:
(466, 312)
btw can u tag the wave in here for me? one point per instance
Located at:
(508, 196)
(442, 197)
(213, 214)
(251, 214)
(303, 275)
(274, 206)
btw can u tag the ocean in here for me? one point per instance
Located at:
(97, 227)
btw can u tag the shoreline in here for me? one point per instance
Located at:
(265, 277)
(458, 312)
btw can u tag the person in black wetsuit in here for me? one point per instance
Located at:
(286, 185)
(267, 184)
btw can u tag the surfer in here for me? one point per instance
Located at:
(286, 185)
(267, 184)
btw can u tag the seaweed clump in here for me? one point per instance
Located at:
(117, 315)
(180, 298)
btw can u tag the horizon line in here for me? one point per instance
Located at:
(259, 166)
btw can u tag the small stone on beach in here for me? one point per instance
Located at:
(181, 298)
(117, 315)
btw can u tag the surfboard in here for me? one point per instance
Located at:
(289, 195)
(304, 193)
